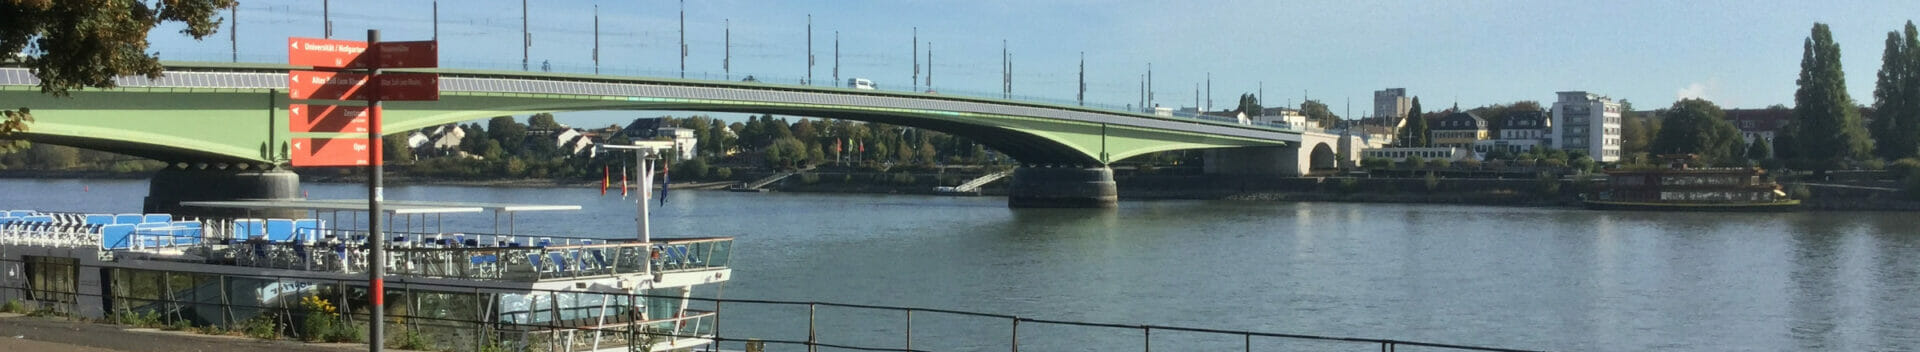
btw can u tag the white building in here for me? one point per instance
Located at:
(1520, 132)
(684, 141)
(1589, 123)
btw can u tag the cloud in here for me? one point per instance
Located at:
(1694, 90)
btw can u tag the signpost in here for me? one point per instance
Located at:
(332, 151)
(327, 118)
(344, 70)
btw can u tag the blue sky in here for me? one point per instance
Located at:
(1740, 54)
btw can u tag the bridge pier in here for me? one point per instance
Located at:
(1062, 187)
(173, 185)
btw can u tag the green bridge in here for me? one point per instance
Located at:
(218, 113)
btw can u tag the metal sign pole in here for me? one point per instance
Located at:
(376, 256)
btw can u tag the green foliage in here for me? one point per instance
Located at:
(723, 173)
(1317, 113)
(1697, 126)
(1904, 168)
(1413, 162)
(1439, 164)
(13, 306)
(76, 44)
(1547, 184)
(1416, 132)
(1349, 185)
(1249, 104)
(786, 153)
(1432, 182)
(12, 122)
(1376, 163)
(1874, 164)
(1828, 129)
(408, 339)
(264, 326)
(1470, 163)
(693, 169)
(1896, 93)
(1582, 164)
(150, 319)
(1758, 150)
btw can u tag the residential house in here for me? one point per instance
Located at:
(1458, 129)
(1520, 132)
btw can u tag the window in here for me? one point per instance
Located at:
(52, 279)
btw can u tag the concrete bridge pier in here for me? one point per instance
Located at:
(173, 185)
(1062, 187)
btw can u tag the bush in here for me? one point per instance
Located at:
(1470, 164)
(407, 339)
(14, 306)
(1874, 164)
(1413, 162)
(1582, 164)
(1440, 163)
(1549, 184)
(724, 173)
(1904, 168)
(1376, 163)
(1433, 182)
(1349, 185)
(262, 326)
(809, 178)
(694, 169)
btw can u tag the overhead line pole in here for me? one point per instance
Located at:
(233, 30)
(683, 39)
(526, 38)
(726, 62)
(436, 19)
(809, 49)
(916, 60)
(326, 19)
(596, 39)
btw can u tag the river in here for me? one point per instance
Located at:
(1558, 279)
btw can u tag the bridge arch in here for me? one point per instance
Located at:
(1322, 157)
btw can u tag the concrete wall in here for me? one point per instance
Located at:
(1293, 160)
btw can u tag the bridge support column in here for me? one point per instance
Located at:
(173, 185)
(1062, 187)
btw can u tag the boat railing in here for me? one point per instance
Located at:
(441, 255)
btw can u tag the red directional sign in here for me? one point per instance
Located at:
(328, 53)
(325, 85)
(353, 86)
(417, 54)
(410, 86)
(331, 151)
(327, 118)
(347, 54)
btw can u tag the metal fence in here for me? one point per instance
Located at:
(560, 333)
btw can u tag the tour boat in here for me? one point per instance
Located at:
(1681, 187)
(455, 290)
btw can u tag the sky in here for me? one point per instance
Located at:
(1739, 54)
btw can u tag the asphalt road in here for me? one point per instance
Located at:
(20, 333)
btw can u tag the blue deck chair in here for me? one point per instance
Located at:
(559, 262)
(8, 219)
(99, 219)
(19, 213)
(546, 241)
(534, 259)
(599, 258)
(127, 219)
(157, 218)
(279, 230)
(116, 236)
(37, 219)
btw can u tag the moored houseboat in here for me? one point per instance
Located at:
(1683, 187)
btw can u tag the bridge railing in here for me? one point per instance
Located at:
(632, 71)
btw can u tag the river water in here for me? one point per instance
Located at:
(1558, 279)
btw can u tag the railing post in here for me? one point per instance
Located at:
(811, 338)
(1146, 333)
(909, 329)
(1016, 334)
(1249, 342)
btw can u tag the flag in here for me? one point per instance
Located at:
(623, 181)
(606, 178)
(665, 180)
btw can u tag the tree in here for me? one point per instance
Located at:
(1414, 132)
(1896, 93)
(13, 121)
(543, 121)
(1696, 126)
(1758, 150)
(1829, 131)
(1318, 113)
(1249, 104)
(511, 134)
(1636, 132)
(75, 44)
(395, 148)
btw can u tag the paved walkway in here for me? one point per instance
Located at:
(21, 333)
